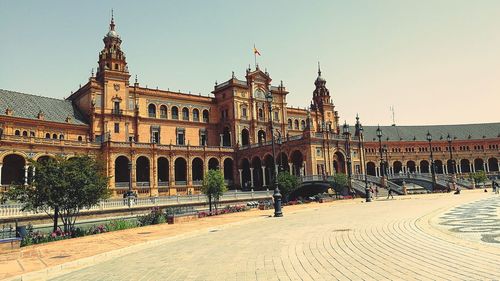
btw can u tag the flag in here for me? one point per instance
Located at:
(255, 51)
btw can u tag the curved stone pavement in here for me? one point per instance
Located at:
(383, 240)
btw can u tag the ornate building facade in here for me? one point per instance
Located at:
(163, 142)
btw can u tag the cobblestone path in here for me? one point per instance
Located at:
(383, 240)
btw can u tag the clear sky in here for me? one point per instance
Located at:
(435, 61)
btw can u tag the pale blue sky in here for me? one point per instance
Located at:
(374, 54)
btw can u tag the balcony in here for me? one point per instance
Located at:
(117, 111)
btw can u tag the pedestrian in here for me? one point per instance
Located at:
(496, 188)
(389, 193)
(376, 191)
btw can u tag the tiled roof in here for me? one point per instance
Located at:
(438, 132)
(28, 106)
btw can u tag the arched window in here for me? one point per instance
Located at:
(185, 114)
(261, 114)
(61, 136)
(54, 136)
(175, 113)
(302, 125)
(196, 115)
(152, 111)
(296, 123)
(163, 112)
(289, 124)
(47, 135)
(80, 138)
(25, 133)
(205, 116)
(17, 133)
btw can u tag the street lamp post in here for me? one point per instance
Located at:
(433, 172)
(129, 192)
(276, 194)
(382, 165)
(347, 135)
(386, 152)
(453, 176)
(368, 197)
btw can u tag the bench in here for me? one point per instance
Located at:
(10, 243)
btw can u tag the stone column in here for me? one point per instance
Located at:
(26, 174)
(417, 169)
(304, 167)
(290, 168)
(445, 169)
(1, 165)
(221, 139)
(263, 176)
(241, 177)
(404, 169)
(459, 168)
(377, 171)
(230, 138)
(189, 173)
(251, 177)
(471, 167)
(486, 168)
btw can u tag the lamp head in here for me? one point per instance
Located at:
(379, 132)
(429, 136)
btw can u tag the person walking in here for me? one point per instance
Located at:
(496, 188)
(376, 191)
(389, 193)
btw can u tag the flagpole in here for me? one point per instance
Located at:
(254, 56)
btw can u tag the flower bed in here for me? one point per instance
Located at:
(225, 210)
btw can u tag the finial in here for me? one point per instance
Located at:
(215, 82)
(319, 69)
(136, 79)
(112, 24)
(357, 117)
(92, 72)
(232, 75)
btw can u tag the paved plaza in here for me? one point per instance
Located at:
(405, 239)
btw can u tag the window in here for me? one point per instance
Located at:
(98, 101)
(203, 137)
(61, 136)
(175, 113)
(25, 133)
(155, 134)
(32, 134)
(17, 133)
(196, 115)
(289, 124)
(116, 107)
(180, 136)
(276, 116)
(80, 138)
(318, 151)
(261, 114)
(47, 135)
(243, 113)
(296, 123)
(116, 66)
(205, 116)
(54, 136)
(117, 128)
(152, 111)
(163, 112)
(131, 103)
(185, 114)
(302, 125)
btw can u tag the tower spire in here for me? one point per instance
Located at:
(319, 69)
(112, 24)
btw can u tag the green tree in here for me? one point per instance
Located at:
(339, 182)
(213, 186)
(478, 177)
(62, 187)
(287, 184)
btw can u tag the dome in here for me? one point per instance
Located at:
(112, 33)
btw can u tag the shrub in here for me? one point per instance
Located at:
(115, 225)
(154, 217)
